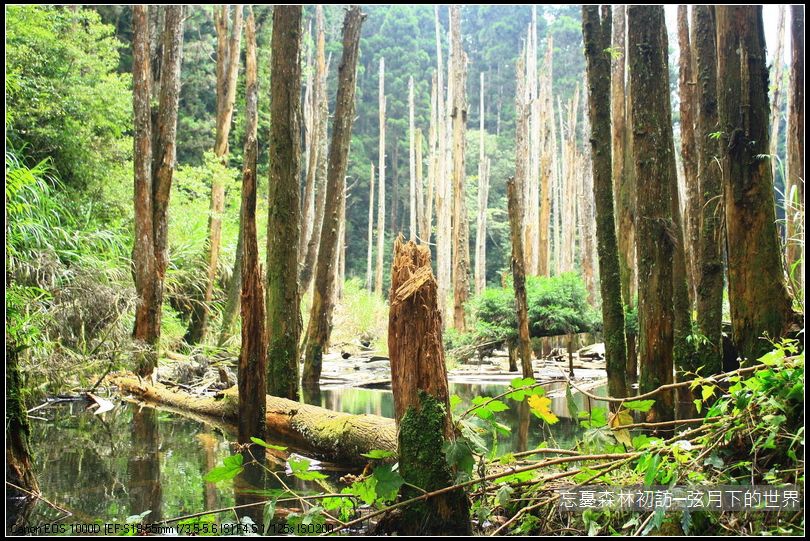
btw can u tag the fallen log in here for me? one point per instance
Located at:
(329, 435)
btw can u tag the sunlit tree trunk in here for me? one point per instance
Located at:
(154, 157)
(283, 295)
(531, 221)
(433, 157)
(228, 44)
(652, 152)
(314, 183)
(686, 90)
(461, 245)
(369, 257)
(252, 377)
(322, 104)
(483, 196)
(709, 300)
(546, 165)
(777, 94)
(519, 279)
(757, 294)
(412, 225)
(322, 301)
(378, 274)
(596, 34)
(794, 188)
(443, 203)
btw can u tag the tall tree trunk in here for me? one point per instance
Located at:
(412, 224)
(519, 278)
(794, 187)
(314, 241)
(443, 203)
(155, 149)
(546, 165)
(569, 179)
(709, 301)
(596, 34)
(378, 274)
(228, 44)
(652, 150)
(252, 377)
(532, 193)
(757, 294)
(522, 161)
(369, 257)
(421, 227)
(776, 99)
(322, 301)
(483, 195)
(686, 89)
(421, 396)
(433, 157)
(319, 102)
(283, 294)
(461, 245)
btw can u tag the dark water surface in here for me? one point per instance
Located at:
(105, 468)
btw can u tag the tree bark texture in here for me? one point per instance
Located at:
(252, 376)
(759, 301)
(652, 152)
(283, 294)
(421, 396)
(519, 279)
(323, 301)
(596, 32)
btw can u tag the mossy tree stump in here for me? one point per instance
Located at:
(421, 397)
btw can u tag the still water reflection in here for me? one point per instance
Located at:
(131, 460)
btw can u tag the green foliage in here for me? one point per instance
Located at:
(557, 305)
(64, 97)
(230, 468)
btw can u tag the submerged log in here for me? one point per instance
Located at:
(330, 435)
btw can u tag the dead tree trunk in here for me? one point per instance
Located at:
(519, 280)
(421, 227)
(443, 203)
(323, 301)
(461, 245)
(314, 241)
(378, 274)
(433, 157)
(319, 103)
(794, 187)
(546, 166)
(652, 151)
(709, 300)
(687, 89)
(757, 294)
(596, 34)
(412, 223)
(623, 183)
(369, 257)
(421, 396)
(483, 196)
(777, 95)
(154, 159)
(252, 377)
(283, 294)
(228, 43)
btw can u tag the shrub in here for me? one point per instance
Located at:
(556, 305)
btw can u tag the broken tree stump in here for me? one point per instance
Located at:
(421, 397)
